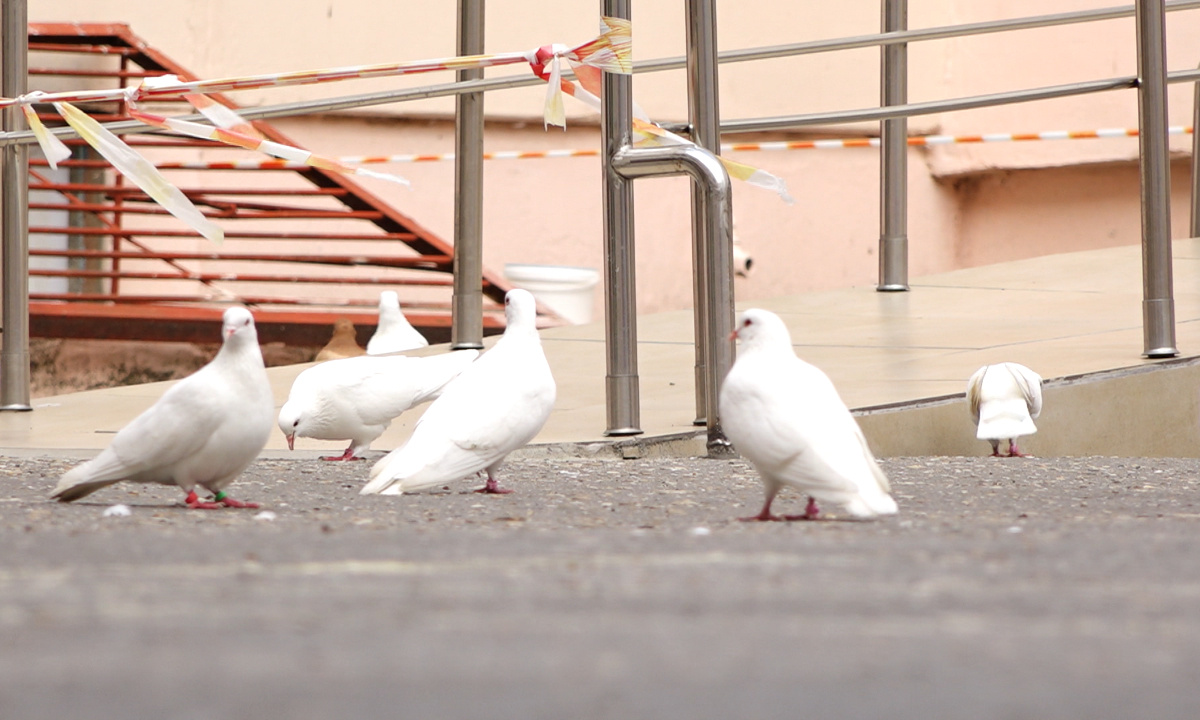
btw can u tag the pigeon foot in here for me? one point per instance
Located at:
(762, 517)
(227, 501)
(348, 455)
(195, 503)
(811, 512)
(765, 514)
(491, 487)
(221, 500)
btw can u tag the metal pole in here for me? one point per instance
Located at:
(1158, 305)
(621, 386)
(466, 330)
(1195, 218)
(14, 208)
(712, 236)
(893, 156)
(716, 212)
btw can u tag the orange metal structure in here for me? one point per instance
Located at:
(302, 248)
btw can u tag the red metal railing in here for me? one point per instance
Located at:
(302, 247)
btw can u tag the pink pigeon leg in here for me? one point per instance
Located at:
(765, 514)
(227, 501)
(811, 511)
(995, 448)
(348, 455)
(195, 503)
(1012, 449)
(491, 487)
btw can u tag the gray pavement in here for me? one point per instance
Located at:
(1014, 588)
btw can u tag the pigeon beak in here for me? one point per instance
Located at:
(291, 441)
(733, 335)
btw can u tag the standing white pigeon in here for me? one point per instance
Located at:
(357, 398)
(785, 417)
(1004, 399)
(494, 407)
(393, 333)
(205, 430)
(342, 344)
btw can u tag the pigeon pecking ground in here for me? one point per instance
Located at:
(1004, 588)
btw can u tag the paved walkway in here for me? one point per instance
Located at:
(1054, 589)
(1062, 315)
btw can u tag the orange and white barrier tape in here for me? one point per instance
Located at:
(645, 131)
(932, 140)
(610, 52)
(915, 141)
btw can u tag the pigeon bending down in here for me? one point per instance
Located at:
(393, 333)
(785, 417)
(1004, 399)
(494, 407)
(357, 398)
(205, 430)
(343, 344)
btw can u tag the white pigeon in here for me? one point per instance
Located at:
(393, 333)
(205, 430)
(785, 416)
(1004, 399)
(357, 398)
(495, 406)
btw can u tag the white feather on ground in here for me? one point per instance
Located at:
(204, 431)
(785, 416)
(495, 406)
(1004, 399)
(357, 398)
(393, 333)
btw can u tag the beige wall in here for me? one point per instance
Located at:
(969, 204)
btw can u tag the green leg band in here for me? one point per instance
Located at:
(220, 496)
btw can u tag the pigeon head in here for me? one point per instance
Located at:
(389, 299)
(520, 309)
(761, 328)
(289, 423)
(238, 322)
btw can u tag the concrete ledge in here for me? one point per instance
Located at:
(1141, 411)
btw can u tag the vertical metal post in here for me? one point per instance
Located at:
(621, 386)
(1194, 229)
(712, 245)
(1158, 304)
(14, 213)
(893, 156)
(467, 313)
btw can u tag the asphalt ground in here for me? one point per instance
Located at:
(1005, 588)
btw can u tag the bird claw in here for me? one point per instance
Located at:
(762, 517)
(491, 487)
(230, 502)
(195, 503)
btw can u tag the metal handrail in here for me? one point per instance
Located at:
(352, 102)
